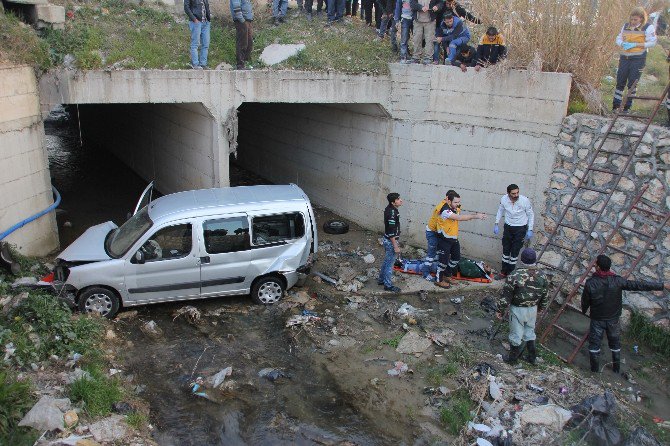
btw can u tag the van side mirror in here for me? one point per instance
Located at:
(139, 257)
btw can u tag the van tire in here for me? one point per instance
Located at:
(267, 290)
(99, 300)
(336, 227)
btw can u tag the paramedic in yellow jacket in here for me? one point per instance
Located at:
(635, 38)
(431, 239)
(448, 247)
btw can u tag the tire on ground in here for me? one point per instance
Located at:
(336, 227)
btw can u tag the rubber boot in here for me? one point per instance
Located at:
(531, 357)
(514, 352)
(595, 363)
(616, 362)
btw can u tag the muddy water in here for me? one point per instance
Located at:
(303, 409)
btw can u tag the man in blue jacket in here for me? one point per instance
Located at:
(198, 23)
(450, 34)
(243, 15)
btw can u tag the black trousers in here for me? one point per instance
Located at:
(351, 7)
(512, 241)
(367, 8)
(613, 329)
(448, 255)
(310, 3)
(629, 71)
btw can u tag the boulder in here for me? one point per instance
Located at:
(276, 53)
(413, 342)
(109, 429)
(552, 416)
(46, 414)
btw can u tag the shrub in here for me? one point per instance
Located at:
(457, 411)
(98, 392)
(652, 336)
(15, 401)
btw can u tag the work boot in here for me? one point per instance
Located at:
(595, 364)
(616, 362)
(275, 21)
(532, 353)
(514, 353)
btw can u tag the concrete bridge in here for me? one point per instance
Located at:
(348, 140)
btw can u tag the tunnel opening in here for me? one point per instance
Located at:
(337, 153)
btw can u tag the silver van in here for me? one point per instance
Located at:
(257, 240)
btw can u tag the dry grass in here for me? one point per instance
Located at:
(563, 36)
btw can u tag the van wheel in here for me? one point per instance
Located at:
(336, 227)
(267, 291)
(99, 300)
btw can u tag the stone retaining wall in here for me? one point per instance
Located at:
(579, 137)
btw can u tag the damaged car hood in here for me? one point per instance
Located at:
(90, 246)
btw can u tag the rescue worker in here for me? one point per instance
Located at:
(431, 239)
(603, 294)
(519, 221)
(525, 292)
(390, 242)
(635, 38)
(448, 247)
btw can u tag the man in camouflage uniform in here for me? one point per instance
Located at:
(525, 291)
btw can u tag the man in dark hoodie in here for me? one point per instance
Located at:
(450, 34)
(603, 294)
(466, 57)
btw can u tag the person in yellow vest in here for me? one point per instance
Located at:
(635, 38)
(431, 239)
(448, 247)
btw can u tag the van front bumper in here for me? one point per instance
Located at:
(65, 293)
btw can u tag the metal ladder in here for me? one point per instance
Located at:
(638, 205)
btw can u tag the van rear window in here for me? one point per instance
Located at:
(277, 228)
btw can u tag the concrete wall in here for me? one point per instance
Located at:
(650, 167)
(355, 138)
(25, 185)
(168, 143)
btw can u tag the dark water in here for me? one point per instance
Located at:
(305, 409)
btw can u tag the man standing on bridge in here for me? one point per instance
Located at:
(243, 16)
(519, 221)
(198, 24)
(603, 293)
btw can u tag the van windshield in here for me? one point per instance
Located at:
(119, 241)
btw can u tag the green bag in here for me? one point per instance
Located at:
(472, 269)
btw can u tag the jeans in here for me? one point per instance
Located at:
(596, 331)
(452, 51)
(387, 23)
(521, 324)
(386, 270)
(405, 25)
(199, 37)
(335, 10)
(431, 236)
(279, 8)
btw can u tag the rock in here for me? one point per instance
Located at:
(122, 407)
(585, 139)
(301, 297)
(413, 342)
(552, 416)
(276, 53)
(45, 415)
(70, 418)
(109, 334)
(566, 151)
(369, 258)
(77, 374)
(109, 429)
(643, 168)
(69, 62)
(346, 274)
(151, 328)
(24, 281)
(224, 66)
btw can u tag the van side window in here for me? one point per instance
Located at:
(277, 228)
(226, 235)
(172, 242)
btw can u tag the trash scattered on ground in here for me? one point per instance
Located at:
(216, 380)
(456, 300)
(301, 297)
(151, 328)
(400, 368)
(494, 389)
(478, 427)
(192, 314)
(483, 369)
(122, 407)
(550, 415)
(324, 277)
(640, 437)
(442, 338)
(369, 258)
(299, 320)
(24, 282)
(278, 52)
(483, 442)
(406, 310)
(413, 342)
(272, 374)
(600, 424)
(126, 314)
(535, 388)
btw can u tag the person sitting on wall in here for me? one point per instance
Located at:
(491, 48)
(635, 38)
(466, 57)
(450, 34)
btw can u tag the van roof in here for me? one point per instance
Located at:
(190, 202)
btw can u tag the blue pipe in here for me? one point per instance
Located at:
(34, 217)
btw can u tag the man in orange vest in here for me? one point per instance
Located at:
(635, 38)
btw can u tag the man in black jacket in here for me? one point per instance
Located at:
(603, 294)
(198, 23)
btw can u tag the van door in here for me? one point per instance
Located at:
(224, 255)
(278, 242)
(171, 268)
(145, 198)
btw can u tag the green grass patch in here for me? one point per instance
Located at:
(437, 373)
(20, 44)
(137, 420)
(97, 393)
(549, 357)
(43, 326)
(394, 341)
(15, 400)
(457, 411)
(646, 334)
